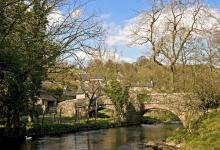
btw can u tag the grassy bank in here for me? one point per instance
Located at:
(55, 124)
(158, 116)
(203, 135)
(68, 125)
(57, 129)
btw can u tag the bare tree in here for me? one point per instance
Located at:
(92, 85)
(179, 32)
(169, 29)
(146, 30)
(75, 32)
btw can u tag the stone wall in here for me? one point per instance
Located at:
(71, 107)
(80, 96)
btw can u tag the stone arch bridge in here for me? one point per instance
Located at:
(184, 106)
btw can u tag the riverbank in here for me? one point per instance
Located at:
(58, 129)
(204, 134)
(123, 138)
(55, 129)
(54, 125)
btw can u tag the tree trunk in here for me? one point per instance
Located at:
(96, 109)
(184, 78)
(154, 59)
(173, 71)
(88, 114)
(14, 127)
(42, 121)
(60, 116)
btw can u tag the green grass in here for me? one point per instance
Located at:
(51, 119)
(68, 125)
(55, 129)
(161, 116)
(205, 134)
(105, 113)
(54, 125)
(178, 136)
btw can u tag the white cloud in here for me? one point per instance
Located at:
(115, 56)
(120, 34)
(83, 55)
(55, 17)
(108, 55)
(76, 13)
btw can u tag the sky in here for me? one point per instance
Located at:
(116, 15)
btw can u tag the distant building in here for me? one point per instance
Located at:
(70, 94)
(47, 100)
(50, 102)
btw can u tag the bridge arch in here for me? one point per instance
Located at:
(101, 107)
(177, 113)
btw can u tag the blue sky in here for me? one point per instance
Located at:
(213, 2)
(119, 10)
(116, 13)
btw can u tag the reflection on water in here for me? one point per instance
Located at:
(125, 138)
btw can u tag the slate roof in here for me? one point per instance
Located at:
(45, 96)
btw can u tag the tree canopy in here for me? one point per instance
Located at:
(30, 43)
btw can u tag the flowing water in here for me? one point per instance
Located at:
(124, 138)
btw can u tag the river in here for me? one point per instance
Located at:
(124, 138)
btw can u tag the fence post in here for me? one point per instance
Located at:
(60, 115)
